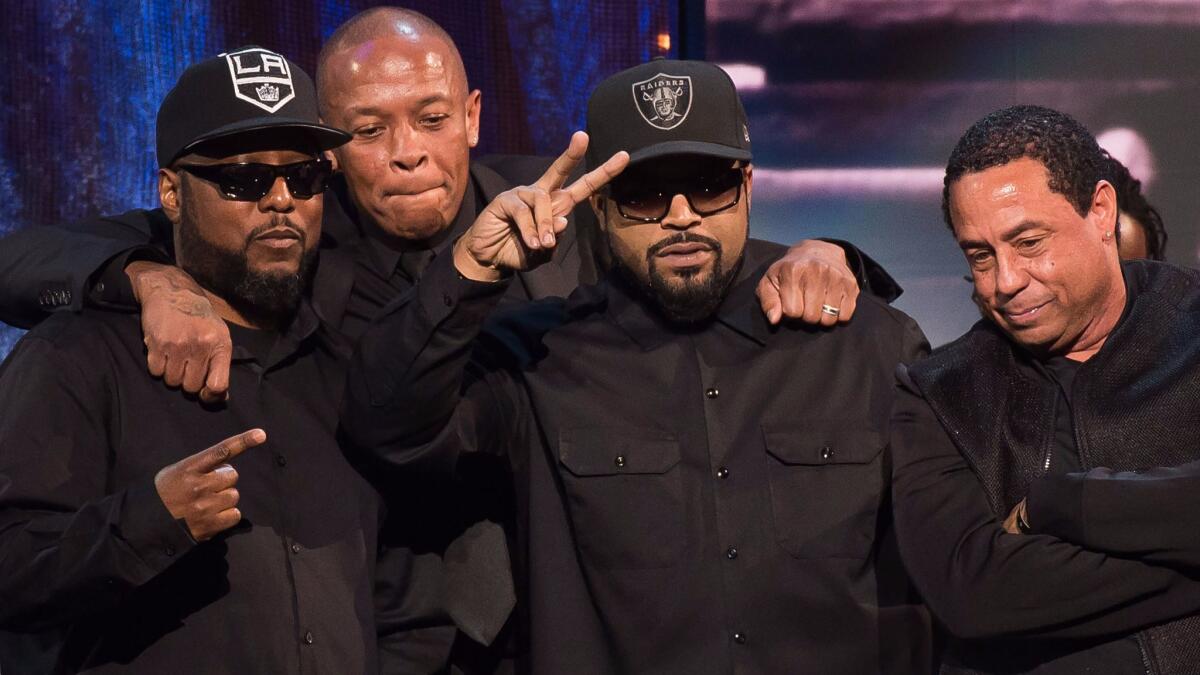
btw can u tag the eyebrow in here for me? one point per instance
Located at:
(1018, 230)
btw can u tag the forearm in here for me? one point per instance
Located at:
(983, 582)
(51, 268)
(57, 565)
(1153, 516)
(406, 380)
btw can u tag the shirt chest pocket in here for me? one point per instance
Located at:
(826, 489)
(624, 496)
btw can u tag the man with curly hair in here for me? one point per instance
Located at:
(1018, 513)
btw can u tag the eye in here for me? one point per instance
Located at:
(434, 121)
(979, 259)
(1029, 245)
(369, 131)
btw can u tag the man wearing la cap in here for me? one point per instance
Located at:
(126, 545)
(698, 491)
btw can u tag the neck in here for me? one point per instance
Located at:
(241, 318)
(1101, 326)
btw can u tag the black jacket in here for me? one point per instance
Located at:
(971, 435)
(688, 501)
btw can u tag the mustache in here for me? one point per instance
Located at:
(683, 238)
(277, 221)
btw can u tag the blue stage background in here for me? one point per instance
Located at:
(82, 80)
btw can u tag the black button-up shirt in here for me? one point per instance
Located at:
(95, 574)
(689, 501)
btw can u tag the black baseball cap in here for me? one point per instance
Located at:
(667, 107)
(246, 90)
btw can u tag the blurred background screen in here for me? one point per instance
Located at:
(855, 105)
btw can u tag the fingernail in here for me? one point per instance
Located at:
(533, 242)
(548, 239)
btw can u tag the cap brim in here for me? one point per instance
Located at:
(323, 137)
(689, 148)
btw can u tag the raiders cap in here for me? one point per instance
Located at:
(250, 89)
(667, 107)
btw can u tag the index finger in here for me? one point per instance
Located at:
(212, 457)
(561, 169)
(589, 183)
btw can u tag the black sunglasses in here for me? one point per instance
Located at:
(649, 201)
(250, 182)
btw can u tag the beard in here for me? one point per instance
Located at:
(268, 299)
(685, 298)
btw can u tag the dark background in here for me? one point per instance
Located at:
(81, 80)
(854, 105)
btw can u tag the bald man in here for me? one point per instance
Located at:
(406, 190)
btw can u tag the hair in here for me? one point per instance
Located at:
(375, 23)
(1132, 202)
(1074, 161)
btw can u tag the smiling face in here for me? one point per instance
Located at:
(404, 98)
(1047, 276)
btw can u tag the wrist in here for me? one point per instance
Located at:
(470, 268)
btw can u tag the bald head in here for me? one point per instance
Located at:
(394, 80)
(376, 24)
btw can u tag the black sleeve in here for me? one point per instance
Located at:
(51, 268)
(872, 278)
(982, 582)
(68, 546)
(1153, 516)
(415, 395)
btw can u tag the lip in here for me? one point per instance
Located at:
(412, 193)
(685, 255)
(1025, 316)
(281, 237)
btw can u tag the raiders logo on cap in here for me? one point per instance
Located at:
(664, 101)
(261, 77)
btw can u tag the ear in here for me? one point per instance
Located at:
(474, 104)
(1103, 212)
(599, 203)
(332, 156)
(749, 185)
(169, 184)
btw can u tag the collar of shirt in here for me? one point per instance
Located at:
(740, 310)
(303, 327)
(386, 259)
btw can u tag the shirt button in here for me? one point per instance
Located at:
(170, 551)
(827, 452)
(619, 460)
(447, 299)
(731, 552)
(712, 392)
(739, 638)
(100, 287)
(308, 638)
(722, 473)
(281, 460)
(295, 548)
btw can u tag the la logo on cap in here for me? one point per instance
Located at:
(664, 101)
(261, 77)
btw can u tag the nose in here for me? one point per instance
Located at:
(680, 216)
(408, 153)
(279, 198)
(1011, 276)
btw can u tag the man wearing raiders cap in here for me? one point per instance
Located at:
(697, 489)
(407, 187)
(143, 532)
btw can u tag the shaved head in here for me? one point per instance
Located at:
(374, 24)
(395, 81)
